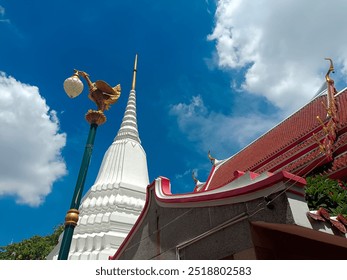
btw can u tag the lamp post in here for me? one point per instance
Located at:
(103, 96)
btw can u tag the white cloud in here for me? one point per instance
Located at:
(2, 13)
(217, 132)
(30, 143)
(281, 45)
(185, 173)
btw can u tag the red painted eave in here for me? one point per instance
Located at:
(163, 196)
(279, 148)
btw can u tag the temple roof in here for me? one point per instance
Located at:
(274, 164)
(244, 190)
(282, 147)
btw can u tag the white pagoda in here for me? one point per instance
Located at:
(111, 206)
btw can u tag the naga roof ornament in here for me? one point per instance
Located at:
(198, 184)
(213, 160)
(329, 126)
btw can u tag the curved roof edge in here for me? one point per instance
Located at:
(285, 119)
(160, 190)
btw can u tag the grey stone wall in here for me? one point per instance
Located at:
(165, 232)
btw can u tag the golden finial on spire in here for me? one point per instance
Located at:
(134, 75)
(331, 69)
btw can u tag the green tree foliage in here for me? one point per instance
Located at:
(35, 248)
(327, 193)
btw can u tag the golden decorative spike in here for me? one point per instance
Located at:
(194, 178)
(322, 124)
(134, 75)
(212, 159)
(326, 146)
(331, 69)
(325, 107)
(320, 145)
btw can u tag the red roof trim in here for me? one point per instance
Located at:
(214, 196)
(165, 186)
(302, 194)
(270, 153)
(289, 147)
(341, 147)
(169, 199)
(209, 178)
(310, 166)
(294, 157)
(298, 139)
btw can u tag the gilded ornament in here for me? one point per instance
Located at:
(71, 217)
(95, 117)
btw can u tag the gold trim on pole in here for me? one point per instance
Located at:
(95, 117)
(71, 217)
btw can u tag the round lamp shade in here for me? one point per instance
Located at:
(73, 86)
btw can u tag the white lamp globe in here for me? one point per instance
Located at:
(73, 86)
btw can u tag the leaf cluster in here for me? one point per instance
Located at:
(330, 194)
(34, 248)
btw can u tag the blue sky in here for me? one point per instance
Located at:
(212, 75)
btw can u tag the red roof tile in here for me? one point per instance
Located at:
(289, 146)
(338, 222)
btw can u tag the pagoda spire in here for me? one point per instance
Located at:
(113, 203)
(128, 128)
(134, 74)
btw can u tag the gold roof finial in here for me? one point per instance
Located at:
(211, 158)
(134, 74)
(194, 177)
(331, 69)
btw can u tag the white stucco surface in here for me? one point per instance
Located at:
(111, 206)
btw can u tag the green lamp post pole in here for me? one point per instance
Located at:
(72, 215)
(103, 95)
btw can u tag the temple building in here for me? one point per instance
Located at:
(252, 205)
(111, 206)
